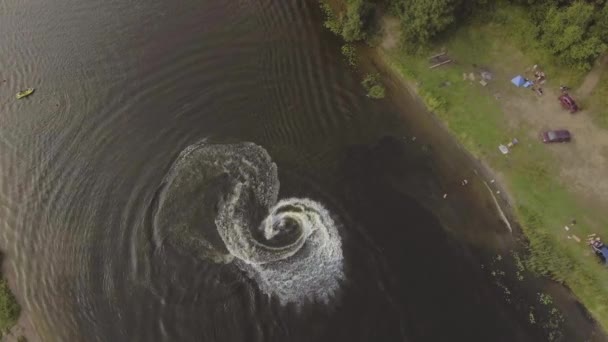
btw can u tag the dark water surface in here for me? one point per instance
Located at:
(123, 87)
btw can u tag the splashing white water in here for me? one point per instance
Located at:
(294, 253)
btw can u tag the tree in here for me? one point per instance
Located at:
(423, 19)
(332, 21)
(600, 29)
(566, 33)
(356, 20)
(351, 23)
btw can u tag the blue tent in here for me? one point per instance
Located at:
(604, 253)
(518, 80)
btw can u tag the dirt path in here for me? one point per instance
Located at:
(390, 32)
(593, 78)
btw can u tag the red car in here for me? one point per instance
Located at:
(560, 135)
(568, 103)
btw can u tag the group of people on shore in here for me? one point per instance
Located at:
(595, 242)
(598, 247)
(539, 79)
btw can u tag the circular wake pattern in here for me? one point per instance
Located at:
(219, 202)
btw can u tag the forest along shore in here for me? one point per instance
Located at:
(557, 192)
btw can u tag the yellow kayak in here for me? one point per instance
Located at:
(25, 93)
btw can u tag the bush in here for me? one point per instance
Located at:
(373, 85)
(376, 92)
(434, 103)
(9, 309)
(349, 52)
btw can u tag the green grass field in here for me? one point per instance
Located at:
(599, 100)
(543, 204)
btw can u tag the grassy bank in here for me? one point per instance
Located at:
(544, 205)
(599, 100)
(500, 42)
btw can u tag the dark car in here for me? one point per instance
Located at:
(560, 135)
(568, 103)
(602, 253)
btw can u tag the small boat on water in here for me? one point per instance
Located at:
(25, 93)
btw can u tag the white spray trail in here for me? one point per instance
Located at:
(294, 253)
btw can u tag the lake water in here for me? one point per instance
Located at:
(114, 233)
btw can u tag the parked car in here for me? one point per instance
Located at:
(555, 136)
(602, 253)
(568, 103)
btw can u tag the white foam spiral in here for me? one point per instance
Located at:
(291, 247)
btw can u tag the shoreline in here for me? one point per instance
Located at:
(10, 307)
(504, 201)
(580, 317)
(24, 326)
(513, 237)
